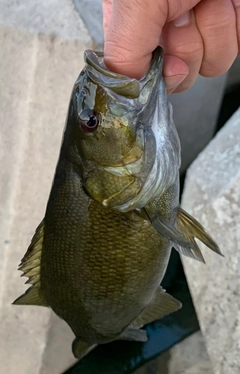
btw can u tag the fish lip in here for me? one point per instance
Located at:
(157, 61)
(120, 84)
(96, 60)
(100, 74)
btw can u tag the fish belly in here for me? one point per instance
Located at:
(99, 268)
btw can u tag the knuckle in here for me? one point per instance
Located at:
(191, 50)
(214, 69)
(214, 22)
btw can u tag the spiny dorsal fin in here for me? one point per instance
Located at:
(31, 265)
(191, 229)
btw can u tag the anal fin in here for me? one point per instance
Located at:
(133, 334)
(162, 305)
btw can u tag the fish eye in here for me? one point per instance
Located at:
(89, 120)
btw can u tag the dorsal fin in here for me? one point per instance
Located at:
(31, 265)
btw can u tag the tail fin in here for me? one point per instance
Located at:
(191, 229)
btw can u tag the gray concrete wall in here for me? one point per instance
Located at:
(212, 195)
(188, 357)
(196, 114)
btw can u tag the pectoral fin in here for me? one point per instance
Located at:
(191, 229)
(194, 253)
(166, 229)
(162, 305)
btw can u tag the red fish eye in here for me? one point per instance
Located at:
(89, 121)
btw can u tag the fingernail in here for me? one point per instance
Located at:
(173, 82)
(182, 20)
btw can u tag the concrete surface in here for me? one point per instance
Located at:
(188, 357)
(212, 195)
(42, 46)
(91, 13)
(54, 17)
(195, 115)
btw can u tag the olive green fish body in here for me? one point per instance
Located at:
(100, 268)
(99, 256)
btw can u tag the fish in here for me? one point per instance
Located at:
(99, 255)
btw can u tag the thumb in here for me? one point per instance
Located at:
(133, 33)
(134, 29)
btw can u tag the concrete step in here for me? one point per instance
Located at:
(212, 195)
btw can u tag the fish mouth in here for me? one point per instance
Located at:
(121, 84)
(98, 73)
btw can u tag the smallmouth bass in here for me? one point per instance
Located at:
(100, 253)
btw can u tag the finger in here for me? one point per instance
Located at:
(129, 43)
(107, 11)
(134, 32)
(216, 22)
(182, 39)
(174, 72)
(236, 4)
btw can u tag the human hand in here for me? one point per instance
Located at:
(198, 36)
